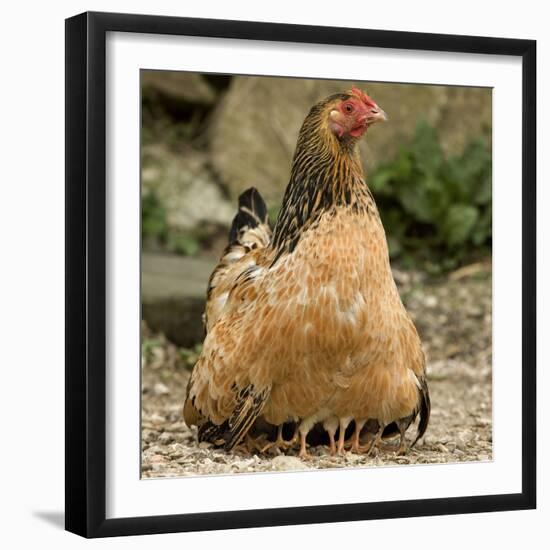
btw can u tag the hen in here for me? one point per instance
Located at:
(305, 324)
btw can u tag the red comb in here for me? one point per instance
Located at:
(362, 96)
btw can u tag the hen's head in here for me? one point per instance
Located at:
(351, 114)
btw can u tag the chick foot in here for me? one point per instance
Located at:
(251, 445)
(280, 443)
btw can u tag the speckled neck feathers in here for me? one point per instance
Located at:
(326, 174)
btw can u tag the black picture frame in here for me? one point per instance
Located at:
(86, 274)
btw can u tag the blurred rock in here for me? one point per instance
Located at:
(185, 187)
(254, 132)
(255, 127)
(161, 389)
(173, 292)
(178, 86)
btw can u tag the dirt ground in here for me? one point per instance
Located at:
(453, 316)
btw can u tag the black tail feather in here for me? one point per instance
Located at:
(252, 212)
(425, 408)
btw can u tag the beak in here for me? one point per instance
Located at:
(377, 115)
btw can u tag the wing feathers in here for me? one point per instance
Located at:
(250, 233)
(250, 402)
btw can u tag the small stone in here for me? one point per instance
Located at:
(428, 441)
(462, 442)
(430, 301)
(451, 446)
(165, 438)
(160, 389)
(155, 449)
(284, 462)
(352, 457)
(176, 450)
(149, 436)
(157, 419)
(243, 465)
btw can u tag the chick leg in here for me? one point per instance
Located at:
(344, 422)
(254, 444)
(249, 444)
(304, 428)
(287, 444)
(377, 438)
(367, 449)
(303, 448)
(403, 445)
(332, 442)
(355, 446)
(403, 426)
(331, 425)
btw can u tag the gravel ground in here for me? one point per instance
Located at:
(453, 316)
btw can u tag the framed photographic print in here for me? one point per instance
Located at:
(300, 274)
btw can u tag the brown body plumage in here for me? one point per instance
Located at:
(306, 325)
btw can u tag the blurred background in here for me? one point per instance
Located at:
(206, 138)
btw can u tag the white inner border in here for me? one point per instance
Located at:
(127, 495)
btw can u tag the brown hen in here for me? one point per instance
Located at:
(306, 325)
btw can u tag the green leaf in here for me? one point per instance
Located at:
(435, 210)
(426, 149)
(484, 227)
(153, 217)
(381, 179)
(484, 193)
(186, 245)
(419, 201)
(459, 223)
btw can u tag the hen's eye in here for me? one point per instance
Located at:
(348, 108)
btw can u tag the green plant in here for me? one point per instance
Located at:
(183, 243)
(436, 209)
(153, 218)
(155, 230)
